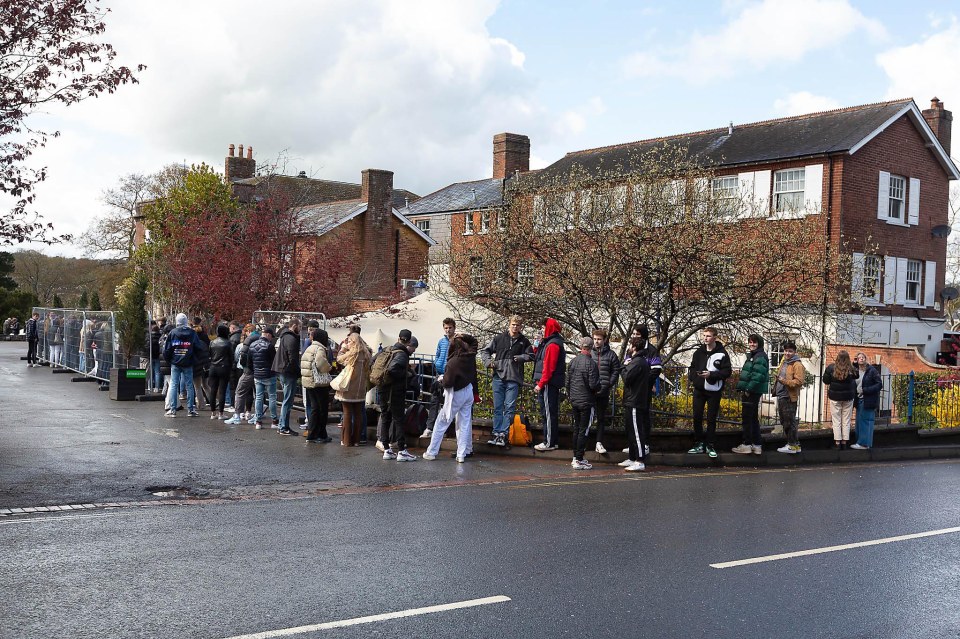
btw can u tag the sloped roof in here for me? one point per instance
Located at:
(786, 138)
(320, 218)
(306, 191)
(462, 196)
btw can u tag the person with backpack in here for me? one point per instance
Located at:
(753, 383)
(636, 385)
(315, 379)
(549, 373)
(181, 349)
(459, 388)
(389, 372)
(583, 386)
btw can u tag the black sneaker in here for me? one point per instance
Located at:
(286, 431)
(500, 440)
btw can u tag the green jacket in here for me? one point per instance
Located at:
(755, 374)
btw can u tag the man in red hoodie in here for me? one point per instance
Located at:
(549, 374)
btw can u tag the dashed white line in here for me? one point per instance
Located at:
(287, 632)
(818, 551)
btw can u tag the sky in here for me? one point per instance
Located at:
(420, 88)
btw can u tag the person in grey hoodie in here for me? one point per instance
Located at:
(583, 382)
(505, 355)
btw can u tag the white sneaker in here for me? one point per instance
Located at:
(626, 450)
(646, 450)
(461, 460)
(380, 446)
(788, 449)
(389, 455)
(230, 409)
(757, 450)
(429, 457)
(426, 434)
(635, 466)
(859, 447)
(404, 455)
(543, 447)
(600, 449)
(581, 464)
(625, 463)
(213, 415)
(742, 449)
(170, 413)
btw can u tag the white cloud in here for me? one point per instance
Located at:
(339, 85)
(924, 69)
(574, 121)
(760, 35)
(803, 102)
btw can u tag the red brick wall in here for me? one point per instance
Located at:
(899, 150)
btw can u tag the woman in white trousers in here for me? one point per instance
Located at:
(459, 384)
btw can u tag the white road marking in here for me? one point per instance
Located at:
(286, 632)
(818, 551)
(34, 520)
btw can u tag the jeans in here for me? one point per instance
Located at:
(865, 420)
(157, 378)
(504, 404)
(177, 376)
(268, 387)
(289, 383)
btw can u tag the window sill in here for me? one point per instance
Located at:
(873, 303)
(786, 216)
(913, 305)
(896, 223)
(468, 232)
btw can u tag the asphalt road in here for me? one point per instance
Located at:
(288, 536)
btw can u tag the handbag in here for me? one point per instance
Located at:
(341, 381)
(320, 379)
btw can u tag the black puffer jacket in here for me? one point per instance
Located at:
(636, 377)
(840, 390)
(261, 354)
(221, 357)
(583, 381)
(609, 365)
(287, 358)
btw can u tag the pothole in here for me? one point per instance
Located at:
(168, 491)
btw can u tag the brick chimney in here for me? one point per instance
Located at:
(376, 189)
(940, 121)
(511, 153)
(237, 167)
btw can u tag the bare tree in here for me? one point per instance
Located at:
(113, 233)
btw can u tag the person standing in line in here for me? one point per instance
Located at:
(286, 365)
(841, 380)
(261, 354)
(355, 358)
(181, 349)
(201, 367)
(505, 355)
(236, 337)
(221, 365)
(549, 374)
(56, 341)
(33, 336)
(636, 386)
(437, 394)
(393, 395)
(243, 397)
(318, 393)
(156, 380)
(869, 385)
(583, 388)
(460, 382)
(753, 383)
(709, 368)
(786, 388)
(609, 366)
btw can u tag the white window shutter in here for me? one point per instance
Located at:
(856, 281)
(929, 283)
(745, 184)
(889, 280)
(913, 202)
(883, 196)
(761, 193)
(813, 188)
(901, 280)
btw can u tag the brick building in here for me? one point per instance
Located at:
(878, 173)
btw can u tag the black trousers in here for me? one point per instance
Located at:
(635, 428)
(645, 409)
(750, 419)
(436, 403)
(218, 390)
(548, 400)
(710, 400)
(319, 399)
(582, 416)
(602, 415)
(31, 351)
(392, 405)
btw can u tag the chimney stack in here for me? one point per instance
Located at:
(237, 167)
(511, 153)
(940, 121)
(376, 189)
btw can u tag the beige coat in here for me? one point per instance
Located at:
(356, 362)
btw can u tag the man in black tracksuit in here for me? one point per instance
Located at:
(609, 366)
(583, 382)
(636, 387)
(33, 336)
(708, 368)
(393, 396)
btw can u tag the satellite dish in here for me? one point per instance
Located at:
(940, 231)
(949, 293)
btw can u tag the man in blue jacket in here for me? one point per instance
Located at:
(439, 364)
(182, 345)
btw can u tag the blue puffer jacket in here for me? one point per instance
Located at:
(872, 385)
(261, 354)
